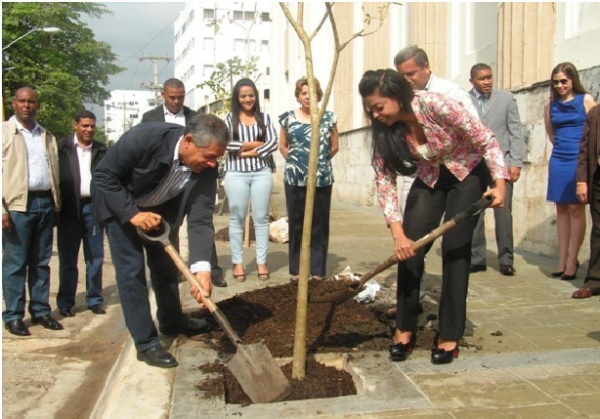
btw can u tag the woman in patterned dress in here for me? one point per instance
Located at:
(453, 155)
(294, 144)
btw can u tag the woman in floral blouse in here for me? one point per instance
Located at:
(294, 144)
(453, 155)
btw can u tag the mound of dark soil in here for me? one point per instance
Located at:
(268, 315)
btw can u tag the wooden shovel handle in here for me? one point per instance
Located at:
(430, 237)
(208, 302)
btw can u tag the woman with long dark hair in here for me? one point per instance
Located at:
(248, 174)
(564, 117)
(453, 155)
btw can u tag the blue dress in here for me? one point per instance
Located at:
(567, 123)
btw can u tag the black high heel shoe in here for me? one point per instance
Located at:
(400, 351)
(570, 277)
(441, 356)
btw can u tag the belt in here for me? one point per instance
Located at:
(40, 194)
(85, 200)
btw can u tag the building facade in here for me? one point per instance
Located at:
(124, 109)
(521, 41)
(210, 33)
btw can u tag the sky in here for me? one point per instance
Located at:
(135, 30)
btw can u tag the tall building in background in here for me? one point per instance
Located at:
(209, 33)
(124, 109)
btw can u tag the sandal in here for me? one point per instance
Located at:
(294, 280)
(240, 277)
(316, 278)
(263, 276)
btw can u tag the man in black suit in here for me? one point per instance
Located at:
(172, 110)
(78, 155)
(158, 171)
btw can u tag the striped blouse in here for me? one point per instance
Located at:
(233, 163)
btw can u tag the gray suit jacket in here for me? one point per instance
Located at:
(502, 116)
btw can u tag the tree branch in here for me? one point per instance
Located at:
(320, 25)
(382, 15)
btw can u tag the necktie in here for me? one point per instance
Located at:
(482, 102)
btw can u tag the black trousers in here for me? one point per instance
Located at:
(424, 210)
(295, 197)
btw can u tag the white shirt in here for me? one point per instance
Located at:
(453, 90)
(178, 118)
(38, 164)
(84, 155)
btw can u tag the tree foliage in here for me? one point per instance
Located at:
(66, 69)
(221, 80)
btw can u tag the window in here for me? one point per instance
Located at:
(248, 16)
(209, 13)
(265, 17)
(208, 44)
(133, 116)
(238, 15)
(238, 44)
(208, 69)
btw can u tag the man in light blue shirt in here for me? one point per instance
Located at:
(30, 205)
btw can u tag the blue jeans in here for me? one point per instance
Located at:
(27, 249)
(127, 252)
(239, 187)
(71, 232)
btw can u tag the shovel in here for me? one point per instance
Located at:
(354, 289)
(252, 365)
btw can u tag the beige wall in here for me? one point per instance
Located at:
(343, 85)
(375, 46)
(429, 31)
(525, 43)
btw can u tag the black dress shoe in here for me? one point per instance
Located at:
(477, 268)
(219, 281)
(399, 351)
(66, 312)
(507, 270)
(17, 327)
(189, 326)
(48, 322)
(97, 309)
(441, 356)
(157, 356)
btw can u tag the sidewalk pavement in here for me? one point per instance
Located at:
(537, 352)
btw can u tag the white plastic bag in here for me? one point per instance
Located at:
(367, 295)
(278, 230)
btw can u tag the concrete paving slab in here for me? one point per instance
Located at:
(545, 363)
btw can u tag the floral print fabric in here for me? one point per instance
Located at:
(298, 135)
(457, 140)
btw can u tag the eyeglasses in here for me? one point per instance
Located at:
(561, 81)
